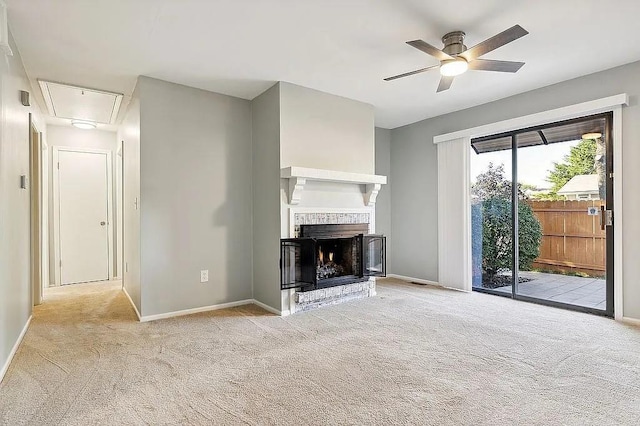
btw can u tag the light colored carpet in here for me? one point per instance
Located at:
(411, 355)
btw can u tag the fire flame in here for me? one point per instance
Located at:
(321, 256)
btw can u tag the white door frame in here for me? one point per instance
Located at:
(119, 261)
(611, 103)
(56, 207)
(36, 230)
(44, 170)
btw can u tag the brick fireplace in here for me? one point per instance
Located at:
(333, 257)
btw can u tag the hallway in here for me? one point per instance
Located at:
(86, 357)
(78, 328)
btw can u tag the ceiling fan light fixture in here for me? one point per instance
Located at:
(594, 135)
(453, 67)
(455, 58)
(83, 124)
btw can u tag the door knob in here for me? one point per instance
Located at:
(103, 223)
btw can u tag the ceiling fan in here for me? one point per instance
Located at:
(455, 58)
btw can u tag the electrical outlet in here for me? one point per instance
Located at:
(204, 275)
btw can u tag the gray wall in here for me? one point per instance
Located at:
(209, 168)
(195, 197)
(414, 225)
(383, 202)
(15, 290)
(129, 134)
(324, 131)
(68, 136)
(413, 168)
(266, 202)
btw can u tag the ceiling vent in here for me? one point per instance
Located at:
(79, 103)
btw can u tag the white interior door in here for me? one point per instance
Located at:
(83, 189)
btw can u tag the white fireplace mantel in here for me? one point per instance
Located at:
(298, 177)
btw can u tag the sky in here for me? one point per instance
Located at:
(534, 162)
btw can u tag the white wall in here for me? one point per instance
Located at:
(265, 111)
(69, 136)
(413, 168)
(129, 135)
(296, 126)
(15, 290)
(195, 197)
(324, 131)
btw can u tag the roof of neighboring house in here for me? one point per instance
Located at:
(581, 184)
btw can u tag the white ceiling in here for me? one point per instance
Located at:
(344, 47)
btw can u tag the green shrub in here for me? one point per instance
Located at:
(529, 236)
(497, 240)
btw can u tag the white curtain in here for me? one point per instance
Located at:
(454, 225)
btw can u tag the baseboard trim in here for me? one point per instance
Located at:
(415, 280)
(131, 301)
(147, 318)
(219, 306)
(5, 367)
(631, 321)
(267, 307)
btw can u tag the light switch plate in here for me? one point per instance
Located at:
(204, 275)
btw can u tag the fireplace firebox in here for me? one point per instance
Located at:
(331, 255)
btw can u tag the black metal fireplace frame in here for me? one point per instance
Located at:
(305, 254)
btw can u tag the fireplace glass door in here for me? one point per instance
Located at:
(297, 263)
(373, 256)
(314, 263)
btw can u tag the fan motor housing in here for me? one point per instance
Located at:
(454, 43)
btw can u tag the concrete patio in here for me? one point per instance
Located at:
(581, 291)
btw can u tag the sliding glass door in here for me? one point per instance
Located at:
(492, 218)
(541, 209)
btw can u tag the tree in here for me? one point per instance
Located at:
(493, 192)
(579, 161)
(492, 183)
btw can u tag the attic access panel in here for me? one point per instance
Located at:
(79, 103)
(564, 131)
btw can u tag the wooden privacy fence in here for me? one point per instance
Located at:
(572, 240)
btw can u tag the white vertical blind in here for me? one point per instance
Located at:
(454, 225)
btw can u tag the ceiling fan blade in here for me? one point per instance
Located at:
(407, 74)
(490, 65)
(429, 49)
(494, 42)
(445, 83)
